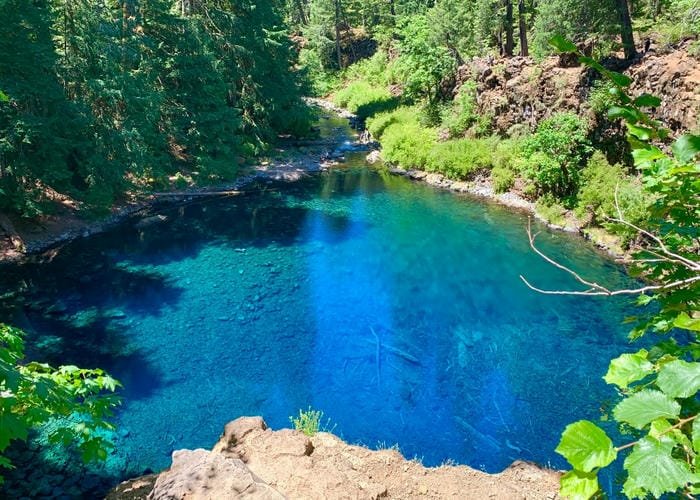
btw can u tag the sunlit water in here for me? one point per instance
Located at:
(395, 308)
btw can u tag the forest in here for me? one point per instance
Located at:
(106, 101)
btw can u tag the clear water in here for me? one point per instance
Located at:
(393, 307)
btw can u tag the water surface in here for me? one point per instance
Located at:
(394, 307)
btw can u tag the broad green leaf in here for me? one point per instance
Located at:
(624, 112)
(695, 436)
(618, 93)
(4, 462)
(628, 368)
(641, 133)
(11, 427)
(586, 446)
(647, 100)
(592, 63)
(687, 323)
(562, 44)
(3, 97)
(686, 147)
(646, 406)
(644, 155)
(620, 79)
(679, 379)
(577, 485)
(652, 468)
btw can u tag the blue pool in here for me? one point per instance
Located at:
(393, 307)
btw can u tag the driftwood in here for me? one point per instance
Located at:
(186, 194)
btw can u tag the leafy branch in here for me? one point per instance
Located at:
(34, 393)
(659, 386)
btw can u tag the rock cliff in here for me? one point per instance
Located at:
(519, 91)
(252, 461)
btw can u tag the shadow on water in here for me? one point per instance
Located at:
(394, 307)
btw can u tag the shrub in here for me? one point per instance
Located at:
(379, 122)
(402, 138)
(463, 116)
(310, 422)
(599, 181)
(555, 153)
(599, 98)
(365, 100)
(549, 208)
(407, 144)
(502, 178)
(461, 158)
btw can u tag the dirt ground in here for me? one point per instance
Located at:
(288, 464)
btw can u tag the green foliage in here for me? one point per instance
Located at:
(378, 124)
(659, 386)
(35, 393)
(404, 141)
(463, 117)
(101, 100)
(601, 183)
(365, 100)
(551, 210)
(421, 64)
(503, 179)
(310, 422)
(554, 155)
(460, 158)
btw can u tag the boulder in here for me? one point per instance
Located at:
(205, 475)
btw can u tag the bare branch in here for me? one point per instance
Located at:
(668, 255)
(556, 264)
(592, 292)
(594, 289)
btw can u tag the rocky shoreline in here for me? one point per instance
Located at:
(252, 461)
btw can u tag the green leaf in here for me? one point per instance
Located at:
(562, 44)
(679, 379)
(592, 63)
(628, 368)
(646, 406)
(686, 147)
(11, 427)
(687, 323)
(620, 79)
(695, 436)
(641, 133)
(586, 446)
(3, 97)
(624, 112)
(652, 468)
(644, 155)
(647, 101)
(578, 485)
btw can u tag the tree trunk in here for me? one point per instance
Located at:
(337, 34)
(510, 43)
(522, 29)
(626, 29)
(303, 20)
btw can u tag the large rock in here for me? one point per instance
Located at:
(205, 475)
(252, 461)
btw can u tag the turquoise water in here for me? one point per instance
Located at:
(393, 307)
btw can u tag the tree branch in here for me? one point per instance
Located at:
(594, 289)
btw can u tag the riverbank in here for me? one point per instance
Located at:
(22, 238)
